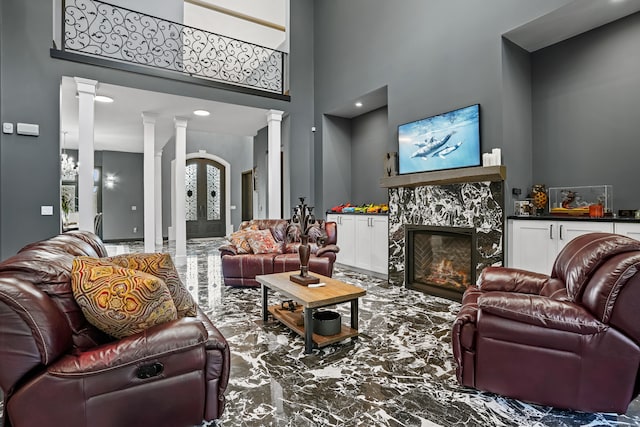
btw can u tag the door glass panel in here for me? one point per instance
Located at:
(213, 193)
(191, 196)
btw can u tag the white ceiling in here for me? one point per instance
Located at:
(118, 125)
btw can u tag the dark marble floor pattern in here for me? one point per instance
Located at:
(399, 372)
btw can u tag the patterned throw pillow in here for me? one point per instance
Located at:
(161, 265)
(239, 240)
(117, 300)
(262, 242)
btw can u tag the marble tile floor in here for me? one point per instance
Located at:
(399, 372)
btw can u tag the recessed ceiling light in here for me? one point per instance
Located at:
(358, 104)
(102, 98)
(202, 113)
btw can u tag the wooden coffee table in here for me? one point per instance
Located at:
(333, 292)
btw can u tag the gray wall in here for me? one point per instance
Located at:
(586, 103)
(30, 85)
(516, 122)
(118, 217)
(429, 63)
(369, 133)
(300, 117)
(1, 116)
(353, 150)
(336, 162)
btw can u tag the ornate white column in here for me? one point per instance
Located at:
(274, 122)
(148, 179)
(158, 198)
(86, 124)
(180, 171)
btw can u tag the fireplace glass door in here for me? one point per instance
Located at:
(440, 260)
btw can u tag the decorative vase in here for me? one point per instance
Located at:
(540, 198)
(304, 251)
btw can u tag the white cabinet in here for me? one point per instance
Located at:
(346, 226)
(363, 241)
(372, 247)
(631, 229)
(534, 244)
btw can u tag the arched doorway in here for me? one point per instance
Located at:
(205, 198)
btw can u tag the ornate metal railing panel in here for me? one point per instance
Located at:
(101, 29)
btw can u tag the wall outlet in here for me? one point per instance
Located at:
(135, 229)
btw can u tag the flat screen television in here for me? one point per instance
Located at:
(447, 141)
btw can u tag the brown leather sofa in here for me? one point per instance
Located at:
(569, 340)
(242, 269)
(56, 369)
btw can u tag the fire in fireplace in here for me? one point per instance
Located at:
(440, 260)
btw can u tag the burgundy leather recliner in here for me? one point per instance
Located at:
(242, 269)
(56, 369)
(569, 340)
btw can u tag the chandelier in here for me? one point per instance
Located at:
(68, 167)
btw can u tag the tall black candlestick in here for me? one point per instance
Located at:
(304, 219)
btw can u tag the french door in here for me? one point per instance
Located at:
(205, 198)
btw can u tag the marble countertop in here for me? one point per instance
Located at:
(572, 218)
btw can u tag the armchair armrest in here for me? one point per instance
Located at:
(228, 250)
(327, 249)
(506, 279)
(541, 311)
(169, 337)
(215, 340)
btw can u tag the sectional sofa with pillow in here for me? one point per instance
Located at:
(266, 246)
(87, 340)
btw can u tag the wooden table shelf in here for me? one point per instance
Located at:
(319, 340)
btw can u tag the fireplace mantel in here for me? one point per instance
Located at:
(476, 174)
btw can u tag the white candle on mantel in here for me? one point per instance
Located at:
(497, 156)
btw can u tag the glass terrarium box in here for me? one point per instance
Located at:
(591, 200)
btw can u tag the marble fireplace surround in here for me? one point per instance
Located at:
(468, 198)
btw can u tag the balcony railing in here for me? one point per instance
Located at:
(98, 29)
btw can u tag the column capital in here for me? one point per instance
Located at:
(180, 122)
(149, 118)
(274, 115)
(86, 85)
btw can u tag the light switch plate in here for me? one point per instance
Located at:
(46, 210)
(7, 128)
(28, 129)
